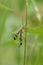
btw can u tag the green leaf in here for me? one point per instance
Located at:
(10, 43)
(37, 30)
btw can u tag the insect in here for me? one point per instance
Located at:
(20, 36)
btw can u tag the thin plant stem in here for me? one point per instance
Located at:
(25, 34)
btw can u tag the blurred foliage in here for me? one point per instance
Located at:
(12, 18)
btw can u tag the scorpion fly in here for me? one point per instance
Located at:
(20, 36)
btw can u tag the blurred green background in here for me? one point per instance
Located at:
(13, 18)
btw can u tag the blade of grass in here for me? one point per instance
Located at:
(32, 48)
(38, 57)
(6, 7)
(3, 18)
(37, 11)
